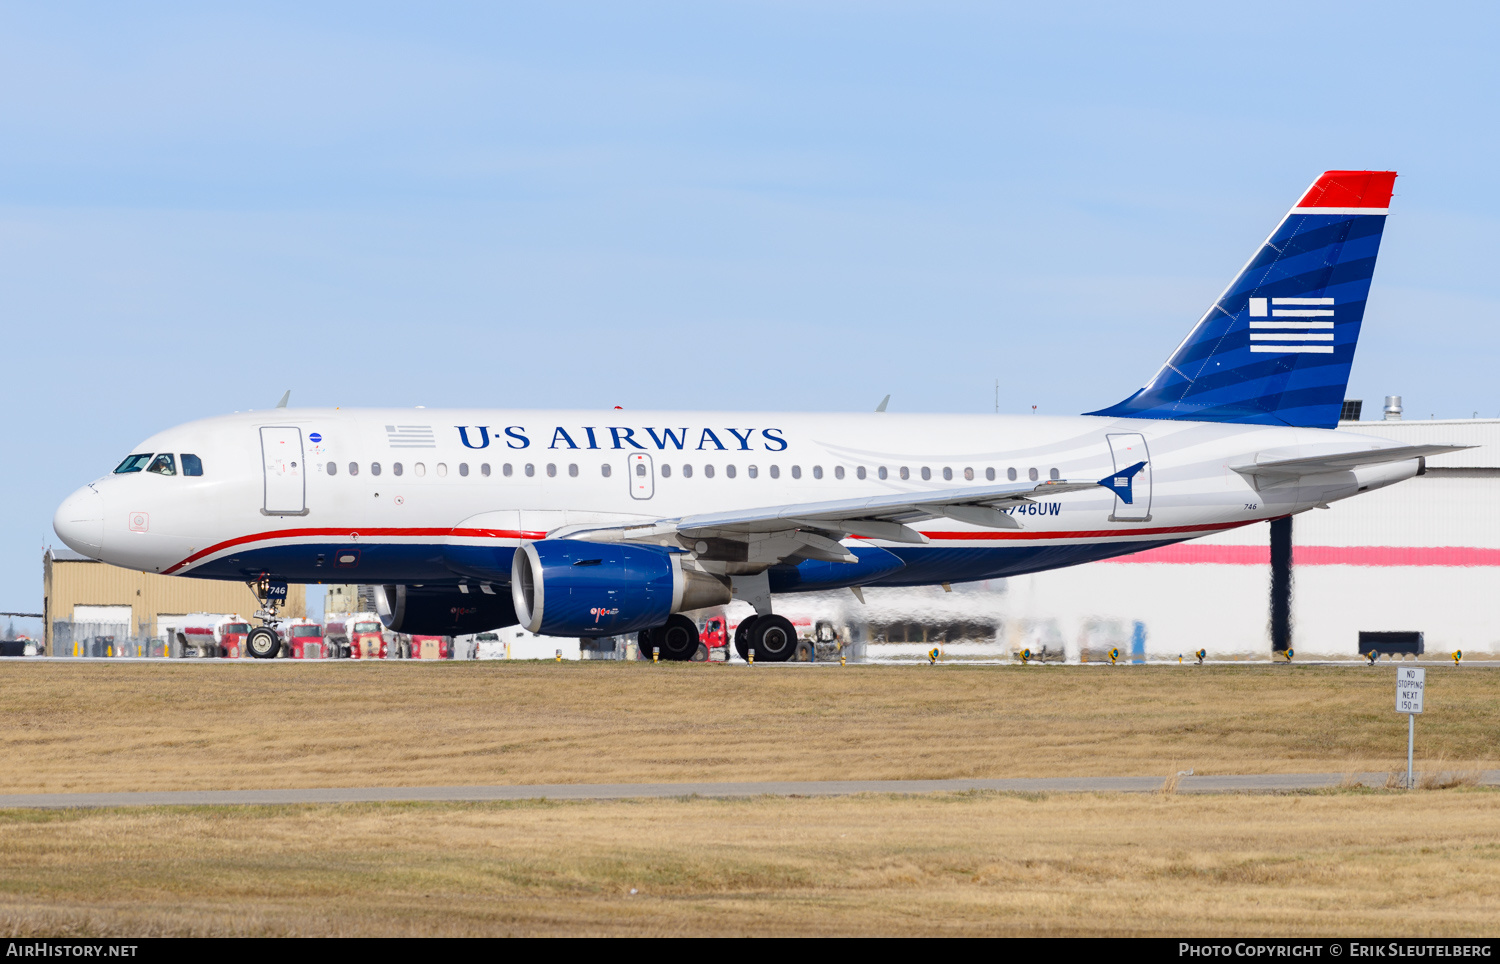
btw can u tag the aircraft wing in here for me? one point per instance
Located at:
(771, 534)
(1267, 464)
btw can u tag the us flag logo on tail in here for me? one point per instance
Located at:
(1296, 327)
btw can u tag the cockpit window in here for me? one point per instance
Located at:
(191, 464)
(133, 463)
(163, 464)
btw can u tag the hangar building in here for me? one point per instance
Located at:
(83, 598)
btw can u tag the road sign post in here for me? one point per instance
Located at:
(1411, 682)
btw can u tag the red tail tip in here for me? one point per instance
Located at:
(1350, 189)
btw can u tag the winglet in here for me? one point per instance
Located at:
(1120, 482)
(883, 403)
(285, 397)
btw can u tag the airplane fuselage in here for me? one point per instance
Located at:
(443, 497)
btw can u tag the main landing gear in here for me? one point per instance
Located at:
(771, 637)
(263, 642)
(676, 641)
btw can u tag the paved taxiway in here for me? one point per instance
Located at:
(1245, 783)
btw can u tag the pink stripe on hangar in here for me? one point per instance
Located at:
(1390, 556)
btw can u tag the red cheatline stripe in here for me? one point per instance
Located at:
(1028, 535)
(1003, 535)
(1191, 554)
(352, 535)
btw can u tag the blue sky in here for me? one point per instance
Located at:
(747, 206)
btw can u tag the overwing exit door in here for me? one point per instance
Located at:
(285, 470)
(642, 476)
(1127, 450)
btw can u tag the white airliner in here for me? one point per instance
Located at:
(582, 523)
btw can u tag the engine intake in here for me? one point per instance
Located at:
(567, 587)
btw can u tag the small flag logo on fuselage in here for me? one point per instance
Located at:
(410, 437)
(1297, 325)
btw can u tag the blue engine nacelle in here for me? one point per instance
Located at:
(567, 587)
(812, 575)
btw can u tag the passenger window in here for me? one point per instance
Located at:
(640, 469)
(859, 473)
(666, 470)
(817, 471)
(572, 470)
(775, 471)
(796, 472)
(905, 472)
(1052, 474)
(530, 470)
(419, 469)
(838, 471)
(926, 474)
(442, 470)
(947, 474)
(687, 471)
(396, 468)
(333, 467)
(753, 472)
(192, 465)
(883, 473)
(708, 471)
(1031, 474)
(353, 468)
(604, 470)
(968, 475)
(551, 470)
(463, 470)
(505, 470)
(374, 468)
(1010, 474)
(484, 469)
(989, 473)
(133, 463)
(729, 471)
(163, 464)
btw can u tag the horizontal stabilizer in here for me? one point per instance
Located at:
(1267, 464)
(1121, 483)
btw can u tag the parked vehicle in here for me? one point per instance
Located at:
(431, 647)
(305, 639)
(366, 636)
(714, 637)
(208, 635)
(489, 646)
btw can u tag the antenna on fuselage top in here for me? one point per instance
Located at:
(883, 402)
(285, 397)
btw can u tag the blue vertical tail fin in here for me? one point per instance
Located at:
(1277, 346)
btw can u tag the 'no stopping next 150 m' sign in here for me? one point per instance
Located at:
(1410, 681)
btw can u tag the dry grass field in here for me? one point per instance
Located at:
(162, 726)
(1341, 862)
(1348, 861)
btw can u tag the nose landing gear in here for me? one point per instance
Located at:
(263, 642)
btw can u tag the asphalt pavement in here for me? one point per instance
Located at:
(1228, 783)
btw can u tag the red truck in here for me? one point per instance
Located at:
(366, 636)
(305, 639)
(714, 636)
(431, 647)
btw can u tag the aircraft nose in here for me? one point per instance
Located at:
(79, 522)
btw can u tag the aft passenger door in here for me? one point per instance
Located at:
(285, 471)
(642, 476)
(1127, 450)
